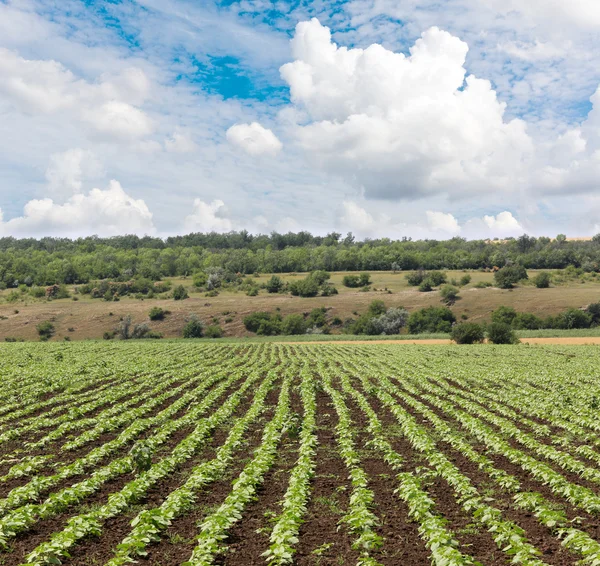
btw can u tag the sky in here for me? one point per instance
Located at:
(420, 118)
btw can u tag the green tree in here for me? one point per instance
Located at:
(467, 333)
(509, 276)
(542, 280)
(180, 293)
(431, 320)
(504, 315)
(500, 333)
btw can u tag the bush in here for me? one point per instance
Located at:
(504, 315)
(449, 294)
(437, 278)
(509, 276)
(500, 333)
(317, 317)
(180, 293)
(274, 285)
(355, 281)
(200, 279)
(213, 331)
(293, 324)
(431, 319)
(263, 323)
(416, 278)
(45, 330)
(483, 285)
(193, 327)
(467, 333)
(307, 287)
(109, 335)
(156, 313)
(527, 321)
(594, 311)
(464, 280)
(542, 280)
(126, 330)
(377, 307)
(252, 292)
(327, 289)
(573, 318)
(391, 322)
(426, 286)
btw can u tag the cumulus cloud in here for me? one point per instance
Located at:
(356, 218)
(254, 139)
(400, 126)
(207, 217)
(442, 222)
(503, 225)
(105, 212)
(67, 171)
(46, 87)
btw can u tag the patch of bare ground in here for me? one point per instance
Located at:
(250, 537)
(473, 540)
(321, 542)
(176, 546)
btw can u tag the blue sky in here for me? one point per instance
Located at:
(420, 118)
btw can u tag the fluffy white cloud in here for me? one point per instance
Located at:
(106, 212)
(207, 217)
(254, 139)
(67, 171)
(442, 222)
(356, 218)
(502, 225)
(402, 126)
(180, 142)
(46, 87)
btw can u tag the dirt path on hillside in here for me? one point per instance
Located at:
(572, 341)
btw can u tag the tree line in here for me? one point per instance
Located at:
(49, 261)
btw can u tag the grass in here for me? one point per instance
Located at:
(89, 318)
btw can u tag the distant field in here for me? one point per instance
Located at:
(196, 453)
(90, 318)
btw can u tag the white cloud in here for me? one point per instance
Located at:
(106, 212)
(502, 225)
(504, 222)
(47, 87)
(402, 127)
(67, 171)
(536, 51)
(207, 217)
(254, 139)
(287, 224)
(180, 142)
(442, 222)
(356, 219)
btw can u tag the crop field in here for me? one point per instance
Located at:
(169, 453)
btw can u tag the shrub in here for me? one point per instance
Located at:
(180, 293)
(126, 330)
(426, 286)
(274, 285)
(307, 287)
(483, 285)
(504, 315)
(464, 280)
(542, 280)
(263, 323)
(437, 278)
(200, 279)
(13, 339)
(361, 280)
(156, 313)
(467, 333)
(573, 318)
(431, 319)
(391, 322)
(253, 292)
(193, 327)
(377, 307)
(594, 311)
(45, 330)
(509, 276)
(327, 289)
(293, 324)
(109, 335)
(449, 294)
(416, 278)
(527, 321)
(317, 317)
(213, 331)
(501, 333)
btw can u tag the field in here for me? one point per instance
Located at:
(171, 453)
(90, 318)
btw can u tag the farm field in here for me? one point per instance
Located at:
(195, 453)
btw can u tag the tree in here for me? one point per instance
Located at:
(180, 293)
(200, 279)
(542, 280)
(449, 294)
(509, 276)
(391, 322)
(376, 307)
(426, 286)
(213, 331)
(573, 318)
(594, 311)
(193, 328)
(274, 285)
(467, 333)
(500, 333)
(504, 315)
(527, 321)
